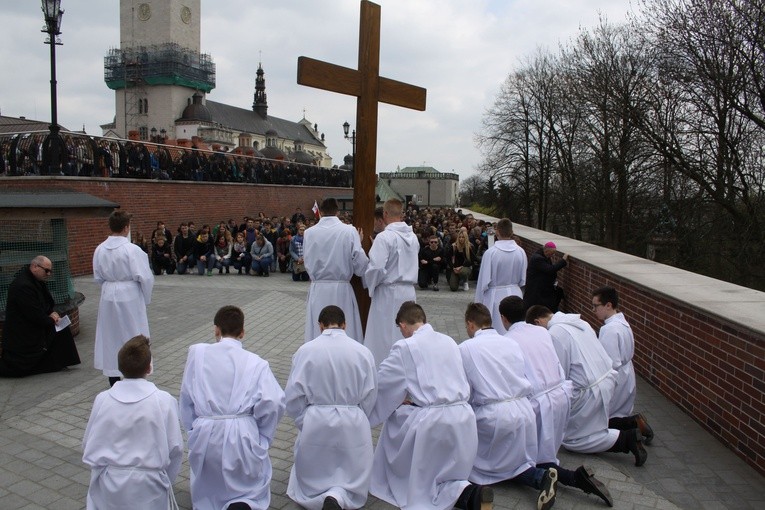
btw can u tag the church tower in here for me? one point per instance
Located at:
(260, 104)
(158, 65)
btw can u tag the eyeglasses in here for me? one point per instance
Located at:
(47, 271)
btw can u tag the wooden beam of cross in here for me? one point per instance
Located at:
(370, 89)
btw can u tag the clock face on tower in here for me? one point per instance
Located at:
(185, 14)
(144, 12)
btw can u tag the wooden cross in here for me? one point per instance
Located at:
(369, 88)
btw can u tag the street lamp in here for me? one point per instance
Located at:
(162, 135)
(153, 134)
(352, 138)
(53, 145)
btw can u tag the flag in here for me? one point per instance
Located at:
(315, 210)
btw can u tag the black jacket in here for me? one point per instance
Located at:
(28, 330)
(540, 281)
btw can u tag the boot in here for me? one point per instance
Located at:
(227, 272)
(586, 481)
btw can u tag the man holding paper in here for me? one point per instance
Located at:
(32, 342)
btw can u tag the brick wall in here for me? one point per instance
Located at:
(712, 368)
(172, 202)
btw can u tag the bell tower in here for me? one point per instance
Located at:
(158, 65)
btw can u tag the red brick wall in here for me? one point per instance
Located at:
(713, 369)
(172, 202)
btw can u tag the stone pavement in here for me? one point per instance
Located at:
(42, 418)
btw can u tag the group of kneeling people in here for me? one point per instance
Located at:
(456, 418)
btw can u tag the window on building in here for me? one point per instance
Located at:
(145, 106)
(143, 132)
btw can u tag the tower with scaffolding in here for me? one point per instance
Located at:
(158, 67)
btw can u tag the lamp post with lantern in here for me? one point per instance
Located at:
(53, 145)
(352, 138)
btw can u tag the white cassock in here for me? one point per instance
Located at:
(502, 274)
(330, 393)
(122, 269)
(333, 254)
(230, 405)
(617, 339)
(425, 451)
(390, 278)
(551, 392)
(134, 447)
(499, 390)
(587, 365)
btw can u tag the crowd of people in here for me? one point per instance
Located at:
(456, 417)
(87, 156)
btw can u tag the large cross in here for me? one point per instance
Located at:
(369, 88)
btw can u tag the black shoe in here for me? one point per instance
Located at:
(645, 428)
(586, 481)
(227, 271)
(547, 495)
(220, 271)
(635, 445)
(474, 496)
(331, 503)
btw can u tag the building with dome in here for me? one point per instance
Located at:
(423, 185)
(161, 81)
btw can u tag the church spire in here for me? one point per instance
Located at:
(260, 104)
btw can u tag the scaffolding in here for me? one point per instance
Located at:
(161, 64)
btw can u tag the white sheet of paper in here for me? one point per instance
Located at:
(62, 323)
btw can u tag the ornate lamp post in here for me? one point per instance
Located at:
(53, 146)
(162, 135)
(352, 138)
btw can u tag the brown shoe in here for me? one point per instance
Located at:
(635, 445)
(645, 428)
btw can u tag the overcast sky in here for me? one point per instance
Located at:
(460, 51)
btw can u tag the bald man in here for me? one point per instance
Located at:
(31, 344)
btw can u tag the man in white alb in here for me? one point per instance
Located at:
(499, 391)
(502, 273)
(587, 365)
(429, 438)
(332, 254)
(230, 405)
(390, 277)
(550, 396)
(616, 337)
(330, 393)
(122, 269)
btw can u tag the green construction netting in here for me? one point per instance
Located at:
(23, 240)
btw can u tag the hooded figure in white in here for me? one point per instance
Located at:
(333, 254)
(122, 269)
(390, 278)
(143, 420)
(587, 365)
(502, 273)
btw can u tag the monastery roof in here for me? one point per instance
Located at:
(242, 119)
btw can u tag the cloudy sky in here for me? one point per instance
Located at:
(460, 51)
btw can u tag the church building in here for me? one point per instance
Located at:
(161, 81)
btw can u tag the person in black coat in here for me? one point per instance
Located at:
(431, 264)
(30, 342)
(540, 278)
